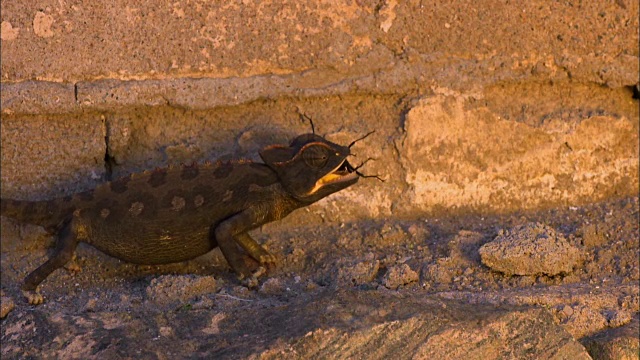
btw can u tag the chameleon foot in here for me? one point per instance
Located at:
(33, 297)
(73, 267)
(267, 260)
(252, 281)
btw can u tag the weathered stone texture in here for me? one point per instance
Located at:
(531, 249)
(74, 40)
(488, 105)
(44, 156)
(461, 158)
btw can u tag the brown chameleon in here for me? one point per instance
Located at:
(178, 213)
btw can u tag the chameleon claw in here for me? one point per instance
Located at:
(261, 270)
(33, 297)
(252, 281)
(72, 266)
(267, 259)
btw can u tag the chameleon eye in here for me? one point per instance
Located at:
(316, 156)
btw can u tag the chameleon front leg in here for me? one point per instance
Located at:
(255, 250)
(66, 243)
(233, 232)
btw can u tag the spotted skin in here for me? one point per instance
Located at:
(178, 213)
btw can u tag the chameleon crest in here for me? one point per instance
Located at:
(311, 167)
(178, 213)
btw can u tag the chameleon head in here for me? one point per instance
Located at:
(311, 167)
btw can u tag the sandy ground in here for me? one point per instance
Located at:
(330, 278)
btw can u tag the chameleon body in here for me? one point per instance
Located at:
(178, 213)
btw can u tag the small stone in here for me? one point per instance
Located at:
(567, 310)
(399, 275)
(530, 249)
(91, 304)
(272, 286)
(165, 331)
(438, 275)
(359, 274)
(463, 248)
(6, 305)
(619, 318)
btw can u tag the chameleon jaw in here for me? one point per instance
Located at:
(341, 173)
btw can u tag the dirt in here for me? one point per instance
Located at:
(355, 266)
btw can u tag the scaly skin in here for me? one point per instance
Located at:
(178, 213)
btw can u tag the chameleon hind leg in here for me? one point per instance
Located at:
(66, 243)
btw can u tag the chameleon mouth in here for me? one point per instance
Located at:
(343, 172)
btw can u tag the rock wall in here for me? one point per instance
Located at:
(477, 105)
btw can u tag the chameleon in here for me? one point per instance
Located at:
(178, 213)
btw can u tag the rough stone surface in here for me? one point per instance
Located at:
(446, 330)
(530, 249)
(527, 121)
(310, 306)
(411, 328)
(360, 273)
(621, 343)
(592, 236)
(399, 275)
(169, 289)
(566, 155)
(583, 311)
(52, 155)
(459, 158)
(37, 97)
(590, 42)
